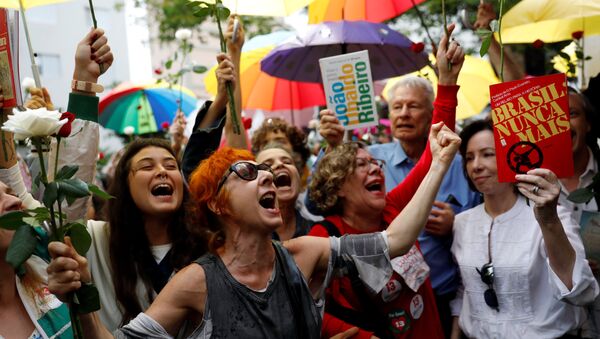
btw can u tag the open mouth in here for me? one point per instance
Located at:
(162, 190)
(374, 187)
(283, 179)
(268, 200)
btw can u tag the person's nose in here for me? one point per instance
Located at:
(265, 178)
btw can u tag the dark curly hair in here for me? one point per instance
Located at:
(330, 175)
(296, 137)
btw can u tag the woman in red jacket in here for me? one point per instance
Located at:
(348, 187)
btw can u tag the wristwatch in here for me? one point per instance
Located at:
(86, 86)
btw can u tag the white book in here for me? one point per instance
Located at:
(348, 88)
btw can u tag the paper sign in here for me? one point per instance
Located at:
(531, 126)
(349, 89)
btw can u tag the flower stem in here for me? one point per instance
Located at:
(56, 158)
(179, 104)
(446, 30)
(37, 142)
(234, 118)
(75, 323)
(500, 42)
(423, 22)
(93, 14)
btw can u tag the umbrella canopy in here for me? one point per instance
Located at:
(264, 7)
(550, 20)
(144, 107)
(263, 91)
(474, 80)
(374, 11)
(27, 3)
(390, 52)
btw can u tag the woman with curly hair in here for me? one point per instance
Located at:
(348, 187)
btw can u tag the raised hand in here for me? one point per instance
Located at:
(444, 144)
(541, 186)
(330, 128)
(67, 270)
(485, 15)
(225, 72)
(39, 98)
(449, 53)
(240, 36)
(92, 56)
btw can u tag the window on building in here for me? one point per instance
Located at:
(49, 65)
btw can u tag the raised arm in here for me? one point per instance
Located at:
(405, 228)
(444, 109)
(93, 57)
(234, 49)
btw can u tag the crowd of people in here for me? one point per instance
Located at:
(414, 238)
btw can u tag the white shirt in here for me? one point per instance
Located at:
(584, 180)
(533, 301)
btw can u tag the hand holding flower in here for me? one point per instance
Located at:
(92, 57)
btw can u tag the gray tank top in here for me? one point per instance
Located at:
(235, 311)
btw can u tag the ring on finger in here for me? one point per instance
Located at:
(535, 189)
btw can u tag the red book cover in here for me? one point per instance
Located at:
(531, 126)
(7, 80)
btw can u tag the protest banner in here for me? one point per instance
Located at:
(531, 126)
(349, 89)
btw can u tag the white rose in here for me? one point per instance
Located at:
(27, 83)
(183, 34)
(34, 123)
(129, 130)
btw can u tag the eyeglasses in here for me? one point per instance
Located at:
(487, 276)
(364, 162)
(245, 170)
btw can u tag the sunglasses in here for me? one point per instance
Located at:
(487, 276)
(245, 170)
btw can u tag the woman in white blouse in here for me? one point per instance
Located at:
(522, 263)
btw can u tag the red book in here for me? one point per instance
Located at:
(531, 126)
(7, 79)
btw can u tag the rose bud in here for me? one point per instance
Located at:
(417, 47)
(538, 44)
(65, 130)
(577, 35)
(164, 125)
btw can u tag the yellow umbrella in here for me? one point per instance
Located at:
(550, 20)
(474, 80)
(265, 7)
(22, 5)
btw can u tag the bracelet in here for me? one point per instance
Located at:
(86, 86)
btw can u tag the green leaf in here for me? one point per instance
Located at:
(80, 237)
(87, 298)
(222, 11)
(579, 54)
(159, 81)
(564, 55)
(73, 188)
(485, 45)
(483, 33)
(589, 57)
(12, 220)
(202, 12)
(32, 221)
(494, 25)
(50, 194)
(199, 69)
(22, 246)
(168, 64)
(581, 195)
(67, 172)
(99, 192)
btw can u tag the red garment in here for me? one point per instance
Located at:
(421, 319)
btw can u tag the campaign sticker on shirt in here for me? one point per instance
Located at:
(391, 290)
(399, 320)
(417, 306)
(412, 268)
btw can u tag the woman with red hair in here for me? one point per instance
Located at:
(248, 285)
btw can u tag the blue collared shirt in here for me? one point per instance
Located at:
(436, 250)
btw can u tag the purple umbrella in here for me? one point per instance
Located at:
(390, 52)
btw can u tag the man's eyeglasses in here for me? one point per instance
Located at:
(364, 162)
(487, 276)
(245, 170)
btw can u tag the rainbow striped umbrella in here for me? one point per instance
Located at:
(144, 107)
